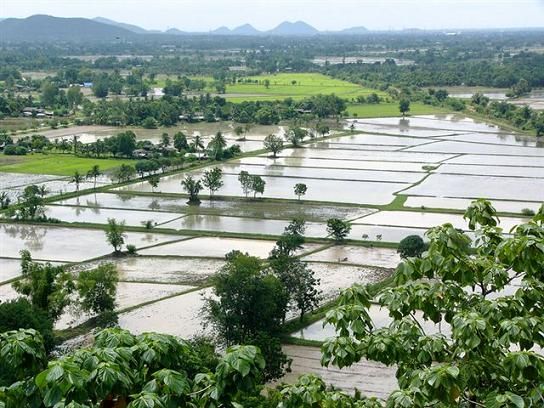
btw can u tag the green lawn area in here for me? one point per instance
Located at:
(391, 109)
(55, 164)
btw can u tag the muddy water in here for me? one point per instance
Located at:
(179, 316)
(65, 244)
(463, 186)
(387, 234)
(498, 160)
(378, 257)
(95, 215)
(462, 204)
(498, 138)
(212, 247)
(167, 270)
(376, 140)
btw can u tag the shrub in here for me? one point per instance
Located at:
(528, 212)
(411, 247)
(20, 314)
(131, 249)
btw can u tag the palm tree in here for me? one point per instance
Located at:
(94, 173)
(198, 144)
(77, 178)
(217, 144)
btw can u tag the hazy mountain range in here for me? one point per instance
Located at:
(49, 28)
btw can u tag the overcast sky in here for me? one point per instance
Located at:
(203, 15)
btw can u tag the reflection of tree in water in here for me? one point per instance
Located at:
(32, 236)
(154, 205)
(126, 197)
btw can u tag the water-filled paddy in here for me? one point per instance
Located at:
(503, 139)
(317, 173)
(383, 233)
(455, 147)
(11, 268)
(395, 129)
(345, 146)
(282, 187)
(7, 293)
(473, 169)
(179, 316)
(167, 270)
(358, 255)
(427, 220)
(451, 122)
(462, 204)
(498, 160)
(334, 277)
(66, 244)
(464, 186)
(379, 140)
(129, 294)
(404, 156)
(381, 166)
(213, 247)
(380, 318)
(95, 215)
(242, 225)
(235, 208)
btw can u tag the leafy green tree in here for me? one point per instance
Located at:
(94, 173)
(47, 287)
(123, 173)
(74, 97)
(165, 140)
(115, 234)
(197, 145)
(257, 185)
(338, 229)
(411, 246)
(295, 136)
(180, 141)
(213, 180)
(238, 131)
(300, 190)
(491, 358)
(192, 187)
(274, 144)
(31, 204)
(404, 106)
(245, 181)
(97, 289)
(247, 306)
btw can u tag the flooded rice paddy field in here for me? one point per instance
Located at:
(379, 193)
(357, 255)
(52, 243)
(462, 204)
(179, 316)
(215, 247)
(11, 268)
(96, 215)
(235, 208)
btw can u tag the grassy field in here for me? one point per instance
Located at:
(55, 164)
(282, 86)
(391, 109)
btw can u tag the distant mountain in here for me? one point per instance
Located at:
(246, 29)
(41, 28)
(221, 31)
(175, 31)
(129, 27)
(353, 31)
(299, 28)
